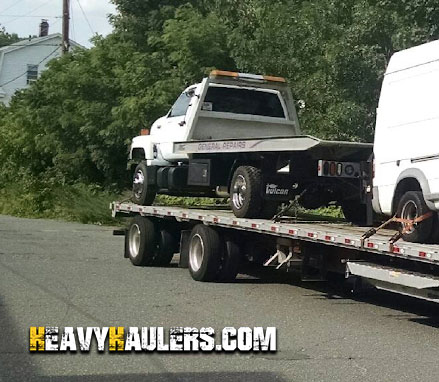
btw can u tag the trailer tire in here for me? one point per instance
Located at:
(410, 206)
(166, 246)
(205, 253)
(245, 192)
(355, 212)
(141, 241)
(230, 262)
(143, 193)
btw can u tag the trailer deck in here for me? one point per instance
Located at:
(336, 234)
(405, 268)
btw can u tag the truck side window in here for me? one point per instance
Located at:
(244, 101)
(180, 106)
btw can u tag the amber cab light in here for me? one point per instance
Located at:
(144, 132)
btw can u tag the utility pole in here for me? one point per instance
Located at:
(65, 26)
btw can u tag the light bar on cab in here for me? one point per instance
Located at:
(245, 76)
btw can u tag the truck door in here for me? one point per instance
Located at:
(174, 126)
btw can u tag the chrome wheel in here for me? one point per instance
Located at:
(239, 192)
(409, 211)
(134, 240)
(196, 252)
(138, 183)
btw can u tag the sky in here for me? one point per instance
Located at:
(24, 16)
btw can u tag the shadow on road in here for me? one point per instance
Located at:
(335, 288)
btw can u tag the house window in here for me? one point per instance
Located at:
(32, 73)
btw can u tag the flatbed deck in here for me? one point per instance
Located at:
(334, 234)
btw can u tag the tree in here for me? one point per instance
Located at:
(6, 38)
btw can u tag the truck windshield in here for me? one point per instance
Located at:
(244, 101)
(180, 106)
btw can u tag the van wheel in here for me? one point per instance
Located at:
(205, 253)
(245, 192)
(411, 206)
(141, 242)
(143, 194)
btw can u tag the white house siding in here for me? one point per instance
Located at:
(14, 63)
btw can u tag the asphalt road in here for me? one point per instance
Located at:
(64, 274)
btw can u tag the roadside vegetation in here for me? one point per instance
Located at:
(64, 140)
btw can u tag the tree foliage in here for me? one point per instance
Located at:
(75, 123)
(6, 38)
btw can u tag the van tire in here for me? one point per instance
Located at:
(143, 193)
(205, 253)
(410, 206)
(245, 192)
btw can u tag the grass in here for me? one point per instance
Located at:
(90, 204)
(85, 204)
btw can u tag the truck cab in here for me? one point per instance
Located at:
(225, 105)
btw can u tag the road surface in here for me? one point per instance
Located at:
(66, 274)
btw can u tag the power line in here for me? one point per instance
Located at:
(73, 21)
(11, 6)
(26, 45)
(85, 17)
(20, 16)
(29, 13)
(21, 75)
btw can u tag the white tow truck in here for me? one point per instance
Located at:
(214, 243)
(238, 135)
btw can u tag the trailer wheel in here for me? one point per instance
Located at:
(355, 212)
(230, 262)
(166, 246)
(143, 194)
(411, 206)
(245, 190)
(205, 252)
(141, 241)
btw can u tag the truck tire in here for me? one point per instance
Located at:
(205, 253)
(355, 212)
(166, 247)
(245, 192)
(141, 243)
(230, 262)
(411, 206)
(143, 193)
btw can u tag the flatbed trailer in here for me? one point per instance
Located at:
(314, 247)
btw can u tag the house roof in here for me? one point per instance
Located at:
(34, 41)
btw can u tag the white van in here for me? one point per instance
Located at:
(406, 147)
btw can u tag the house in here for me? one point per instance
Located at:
(22, 63)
